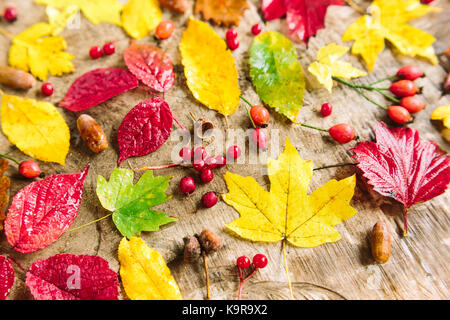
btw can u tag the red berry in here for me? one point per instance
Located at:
(187, 185)
(260, 116)
(260, 261)
(186, 154)
(399, 114)
(231, 34)
(403, 88)
(409, 72)
(47, 88)
(426, 1)
(209, 199)
(221, 161)
(95, 52)
(259, 138)
(211, 162)
(256, 29)
(233, 152)
(198, 165)
(326, 109)
(233, 43)
(29, 169)
(342, 133)
(10, 14)
(207, 175)
(165, 29)
(412, 104)
(109, 48)
(200, 153)
(243, 262)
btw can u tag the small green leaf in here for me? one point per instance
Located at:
(131, 204)
(276, 73)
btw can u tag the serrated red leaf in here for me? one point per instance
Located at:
(42, 211)
(6, 277)
(144, 129)
(72, 277)
(398, 165)
(273, 9)
(151, 65)
(97, 86)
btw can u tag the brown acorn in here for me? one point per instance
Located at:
(380, 242)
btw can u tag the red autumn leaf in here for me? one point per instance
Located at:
(398, 165)
(150, 65)
(44, 210)
(6, 277)
(72, 277)
(144, 129)
(273, 9)
(97, 86)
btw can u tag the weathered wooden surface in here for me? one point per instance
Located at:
(418, 268)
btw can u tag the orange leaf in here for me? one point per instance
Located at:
(226, 12)
(4, 186)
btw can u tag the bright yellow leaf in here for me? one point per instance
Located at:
(144, 273)
(328, 65)
(140, 17)
(209, 68)
(36, 128)
(287, 212)
(60, 18)
(443, 113)
(388, 20)
(36, 51)
(95, 10)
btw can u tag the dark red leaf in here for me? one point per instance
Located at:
(72, 277)
(6, 277)
(398, 165)
(44, 210)
(150, 65)
(144, 129)
(273, 9)
(97, 86)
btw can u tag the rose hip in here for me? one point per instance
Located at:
(187, 185)
(399, 114)
(409, 72)
(29, 169)
(209, 199)
(260, 116)
(412, 104)
(259, 138)
(326, 109)
(403, 88)
(342, 133)
(165, 29)
(207, 175)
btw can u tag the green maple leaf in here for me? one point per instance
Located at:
(131, 204)
(276, 73)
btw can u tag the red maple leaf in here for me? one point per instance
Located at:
(398, 165)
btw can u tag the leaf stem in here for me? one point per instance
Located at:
(179, 123)
(17, 264)
(248, 111)
(383, 79)
(405, 221)
(336, 166)
(246, 101)
(242, 280)
(89, 223)
(309, 126)
(9, 158)
(205, 265)
(287, 269)
(161, 167)
(355, 6)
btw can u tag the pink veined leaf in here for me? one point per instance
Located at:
(6, 277)
(42, 211)
(97, 86)
(273, 9)
(398, 165)
(72, 277)
(151, 65)
(144, 129)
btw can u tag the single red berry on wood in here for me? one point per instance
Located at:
(209, 199)
(211, 162)
(243, 262)
(198, 165)
(10, 14)
(47, 89)
(404, 88)
(109, 48)
(221, 161)
(95, 52)
(165, 29)
(260, 116)
(399, 114)
(29, 169)
(342, 133)
(256, 29)
(187, 185)
(186, 154)
(426, 1)
(234, 152)
(260, 261)
(259, 138)
(412, 104)
(233, 43)
(409, 72)
(231, 34)
(207, 175)
(326, 109)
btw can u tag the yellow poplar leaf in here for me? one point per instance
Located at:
(36, 128)
(95, 10)
(287, 212)
(209, 68)
(59, 19)
(144, 273)
(442, 113)
(388, 20)
(328, 65)
(140, 17)
(37, 51)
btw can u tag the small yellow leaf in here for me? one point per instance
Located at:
(59, 19)
(144, 273)
(140, 17)
(35, 50)
(443, 113)
(209, 68)
(36, 128)
(328, 65)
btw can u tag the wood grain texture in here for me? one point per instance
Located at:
(418, 267)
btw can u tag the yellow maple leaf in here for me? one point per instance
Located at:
(287, 212)
(209, 68)
(36, 128)
(328, 65)
(139, 17)
(443, 113)
(60, 18)
(95, 10)
(37, 51)
(388, 20)
(144, 273)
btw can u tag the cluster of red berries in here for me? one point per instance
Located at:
(96, 52)
(231, 36)
(10, 14)
(259, 261)
(165, 29)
